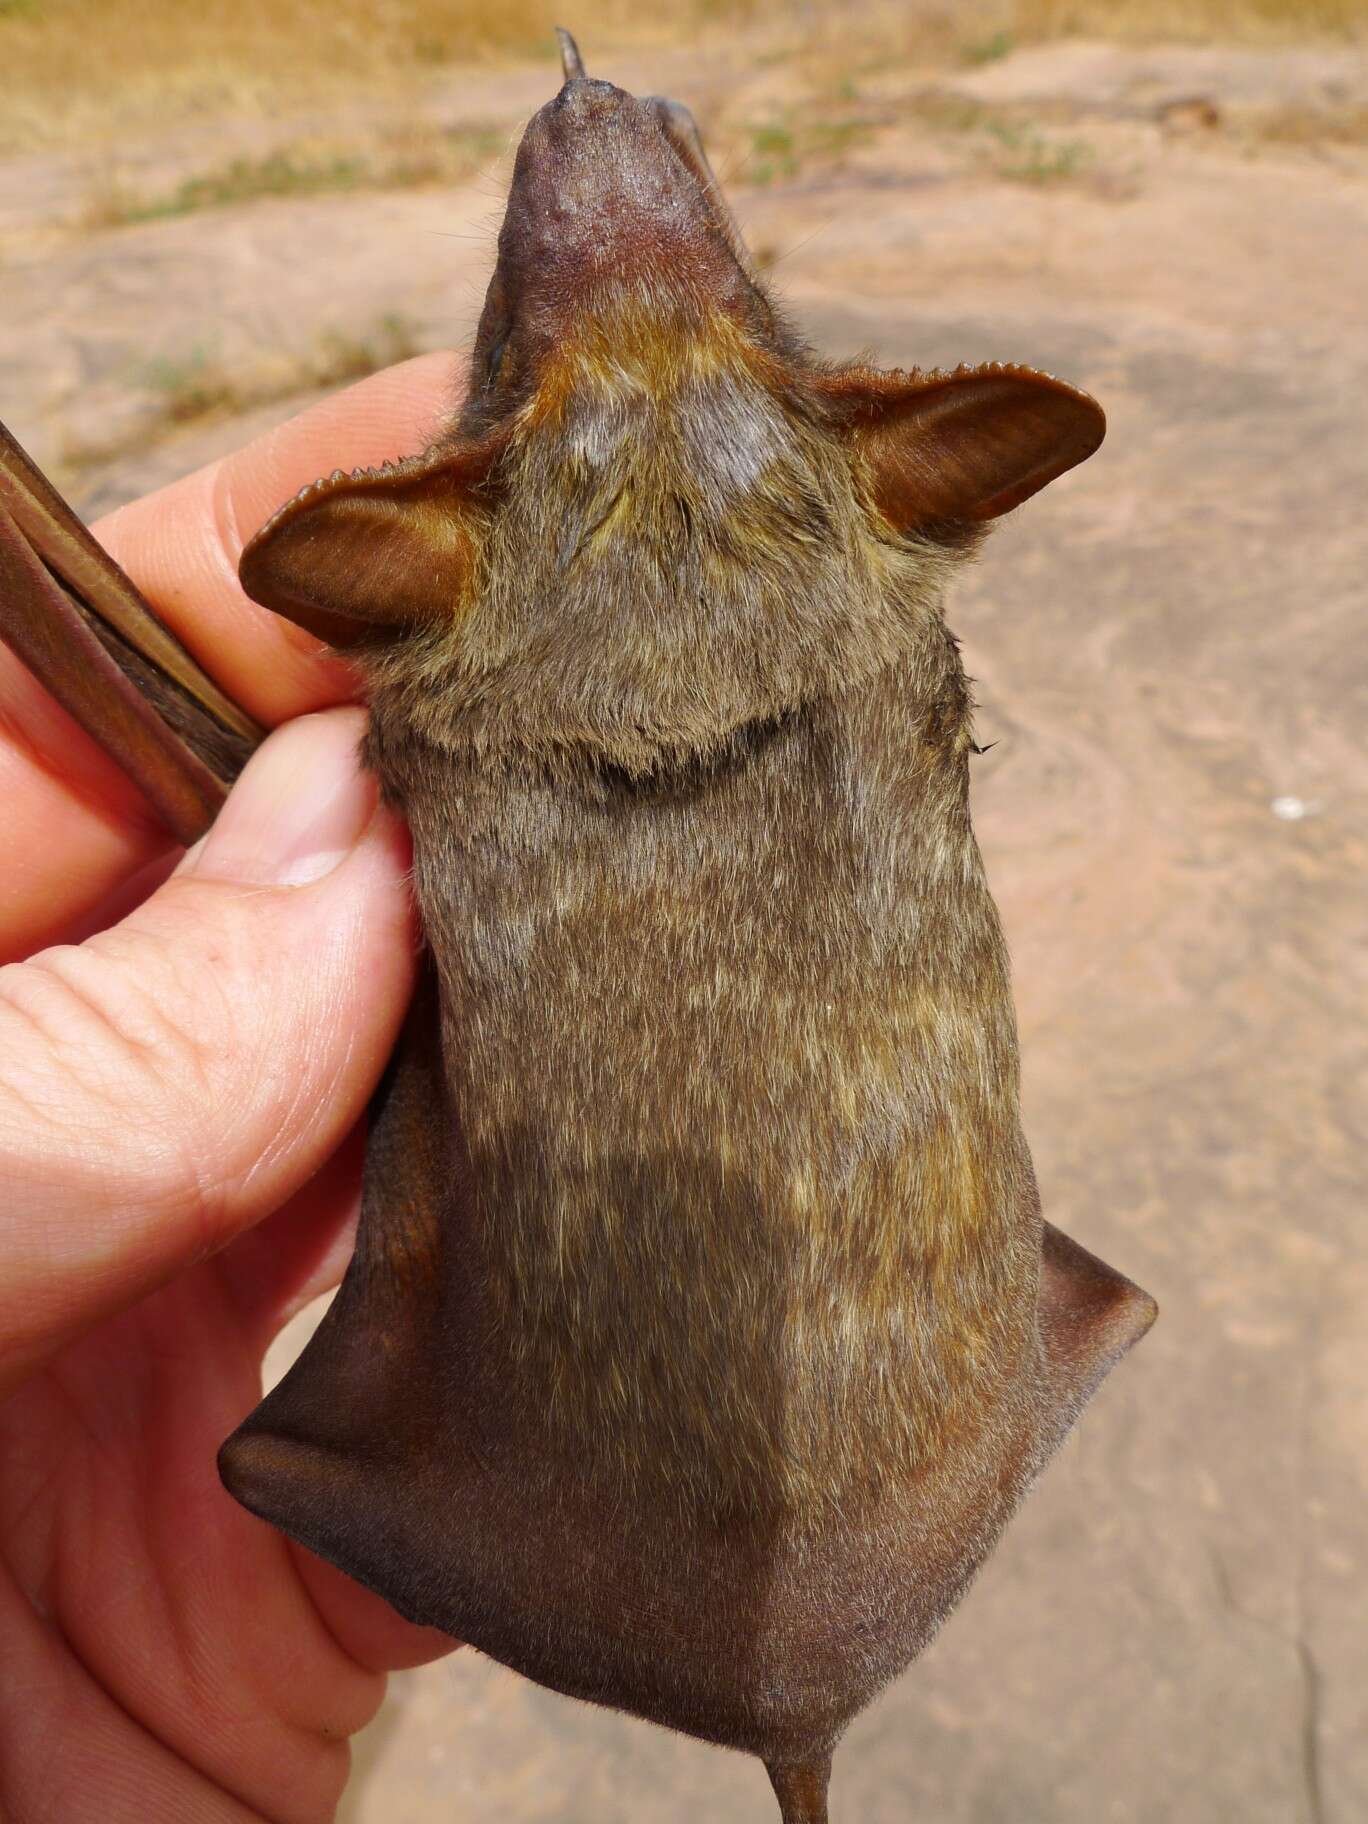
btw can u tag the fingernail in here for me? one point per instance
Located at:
(299, 809)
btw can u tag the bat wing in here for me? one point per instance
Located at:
(1090, 1315)
(82, 628)
(354, 1453)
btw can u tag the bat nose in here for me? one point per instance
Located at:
(589, 98)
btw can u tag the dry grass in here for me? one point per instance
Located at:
(867, 35)
(80, 71)
(1202, 20)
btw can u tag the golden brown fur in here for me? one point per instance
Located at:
(705, 738)
(697, 1346)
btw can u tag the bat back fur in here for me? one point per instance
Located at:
(703, 1331)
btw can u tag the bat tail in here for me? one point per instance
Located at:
(801, 1789)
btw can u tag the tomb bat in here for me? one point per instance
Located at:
(703, 1330)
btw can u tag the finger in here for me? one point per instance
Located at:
(275, 1269)
(363, 1624)
(74, 827)
(173, 1081)
(67, 844)
(182, 544)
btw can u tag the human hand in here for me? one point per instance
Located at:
(179, 1173)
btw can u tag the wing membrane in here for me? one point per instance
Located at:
(83, 629)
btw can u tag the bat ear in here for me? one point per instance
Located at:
(957, 449)
(377, 549)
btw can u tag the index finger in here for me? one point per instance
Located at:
(73, 826)
(181, 545)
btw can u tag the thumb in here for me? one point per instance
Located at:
(173, 1080)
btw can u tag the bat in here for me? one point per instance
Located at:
(703, 1331)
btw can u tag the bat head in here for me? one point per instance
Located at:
(615, 231)
(659, 517)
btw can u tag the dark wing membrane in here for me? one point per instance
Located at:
(84, 631)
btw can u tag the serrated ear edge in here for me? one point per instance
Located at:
(964, 446)
(378, 549)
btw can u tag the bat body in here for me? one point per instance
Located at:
(703, 1331)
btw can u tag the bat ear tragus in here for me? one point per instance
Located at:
(958, 449)
(374, 551)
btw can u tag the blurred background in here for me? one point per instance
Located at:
(209, 215)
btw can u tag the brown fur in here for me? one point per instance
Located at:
(695, 1350)
(711, 855)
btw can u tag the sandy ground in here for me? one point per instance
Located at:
(1173, 664)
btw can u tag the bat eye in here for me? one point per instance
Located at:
(496, 355)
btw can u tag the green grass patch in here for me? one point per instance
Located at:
(197, 384)
(411, 163)
(1024, 156)
(989, 50)
(1011, 148)
(779, 148)
(188, 386)
(244, 180)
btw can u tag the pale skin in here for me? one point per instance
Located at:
(183, 1067)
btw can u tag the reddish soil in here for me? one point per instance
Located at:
(1172, 661)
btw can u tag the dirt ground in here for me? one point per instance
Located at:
(1172, 660)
